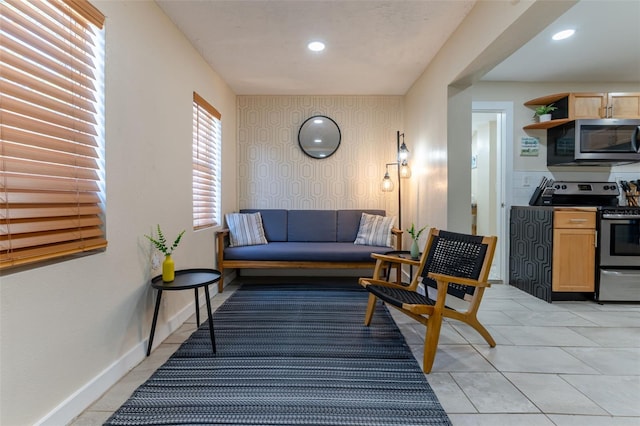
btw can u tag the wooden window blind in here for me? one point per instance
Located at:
(51, 127)
(207, 141)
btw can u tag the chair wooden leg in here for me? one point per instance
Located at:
(432, 336)
(371, 306)
(483, 332)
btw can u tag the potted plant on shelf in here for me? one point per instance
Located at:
(168, 267)
(543, 112)
(415, 234)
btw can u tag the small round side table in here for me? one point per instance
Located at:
(186, 279)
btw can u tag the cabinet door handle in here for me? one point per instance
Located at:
(577, 220)
(610, 108)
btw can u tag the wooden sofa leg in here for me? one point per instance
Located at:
(432, 336)
(221, 282)
(371, 306)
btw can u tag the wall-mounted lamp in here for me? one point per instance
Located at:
(404, 172)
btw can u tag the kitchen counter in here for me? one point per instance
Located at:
(532, 265)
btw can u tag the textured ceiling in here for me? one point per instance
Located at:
(373, 47)
(381, 47)
(605, 47)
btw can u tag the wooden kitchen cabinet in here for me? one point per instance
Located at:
(588, 105)
(623, 105)
(574, 251)
(606, 105)
(576, 106)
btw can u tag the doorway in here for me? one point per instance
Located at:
(492, 141)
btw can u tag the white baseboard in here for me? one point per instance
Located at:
(81, 399)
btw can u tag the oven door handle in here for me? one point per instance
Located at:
(621, 216)
(635, 145)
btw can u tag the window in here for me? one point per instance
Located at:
(207, 142)
(51, 130)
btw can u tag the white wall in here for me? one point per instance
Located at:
(71, 329)
(438, 105)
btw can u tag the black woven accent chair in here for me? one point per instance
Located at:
(453, 266)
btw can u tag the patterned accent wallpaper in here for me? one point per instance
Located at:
(273, 172)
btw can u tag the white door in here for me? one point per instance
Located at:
(492, 132)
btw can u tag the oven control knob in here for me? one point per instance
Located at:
(564, 186)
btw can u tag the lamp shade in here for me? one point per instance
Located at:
(387, 183)
(403, 152)
(405, 170)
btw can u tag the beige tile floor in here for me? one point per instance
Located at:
(564, 364)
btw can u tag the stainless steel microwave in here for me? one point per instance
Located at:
(599, 142)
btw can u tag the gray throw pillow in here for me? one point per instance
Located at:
(375, 230)
(245, 229)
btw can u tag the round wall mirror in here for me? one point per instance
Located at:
(319, 136)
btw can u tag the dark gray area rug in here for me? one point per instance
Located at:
(289, 354)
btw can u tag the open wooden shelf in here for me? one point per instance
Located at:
(546, 100)
(560, 116)
(546, 124)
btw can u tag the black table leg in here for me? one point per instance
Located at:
(195, 291)
(155, 319)
(213, 339)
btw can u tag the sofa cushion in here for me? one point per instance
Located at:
(375, 230)
(349, 223)
(245, 229)
(274, 222)
(312, 226)
(305, 251)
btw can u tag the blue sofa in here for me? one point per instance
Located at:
(298, 239)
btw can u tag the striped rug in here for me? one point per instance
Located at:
(289, 354)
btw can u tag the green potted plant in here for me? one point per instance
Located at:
(543, 112)
(415, 234)
(160, 243)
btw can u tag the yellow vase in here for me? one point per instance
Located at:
(168, 269)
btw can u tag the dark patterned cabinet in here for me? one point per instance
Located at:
(531, 250)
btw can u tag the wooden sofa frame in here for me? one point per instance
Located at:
(222, 239)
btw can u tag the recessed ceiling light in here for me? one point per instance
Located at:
(316, 46)
(563, 34)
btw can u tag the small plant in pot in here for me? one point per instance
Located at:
(543, 112)
(160, 243)
(415, 234)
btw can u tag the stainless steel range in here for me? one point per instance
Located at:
(619, 254)
(563, 193)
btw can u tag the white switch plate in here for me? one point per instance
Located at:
(526, 181)
(155, 261)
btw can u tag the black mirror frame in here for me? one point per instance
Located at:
(337, 145)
